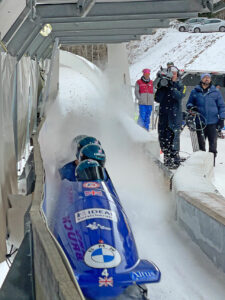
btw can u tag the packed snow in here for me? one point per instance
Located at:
(189, 51)
(3, 272)
(186, 272)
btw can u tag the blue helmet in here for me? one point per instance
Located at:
(89, 170)
(93, 151)
(86, 141)
(76, 140)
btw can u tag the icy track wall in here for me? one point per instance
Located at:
(18, 96)
(53, 278)
(200, 207)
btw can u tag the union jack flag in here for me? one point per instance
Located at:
(105, 281)
(92, 193)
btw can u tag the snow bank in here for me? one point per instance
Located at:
(195, 174)
(187, 50)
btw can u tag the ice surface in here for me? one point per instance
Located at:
(3, 272)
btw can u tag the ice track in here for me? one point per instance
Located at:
(84, 107)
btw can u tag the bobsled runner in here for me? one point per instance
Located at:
(93, 230)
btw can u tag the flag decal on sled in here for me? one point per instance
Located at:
(105, 281)
(93, 193)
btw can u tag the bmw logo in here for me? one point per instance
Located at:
(102, 256)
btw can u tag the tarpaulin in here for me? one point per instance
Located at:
(18, 100)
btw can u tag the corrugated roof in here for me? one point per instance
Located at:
(90, 21)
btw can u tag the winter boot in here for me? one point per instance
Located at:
(214, 160)
(220, 135)
(175, 161)
(167, 160)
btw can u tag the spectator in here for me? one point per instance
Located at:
(209, 103)
(170, 118)
(169, 65)
(144, 92)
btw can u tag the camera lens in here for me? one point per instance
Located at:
(164, 82)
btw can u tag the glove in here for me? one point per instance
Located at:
(220, 124)
(193, 109)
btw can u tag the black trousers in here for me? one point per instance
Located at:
(169, 140)
(209, 132)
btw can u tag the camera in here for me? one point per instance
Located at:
(163, 79)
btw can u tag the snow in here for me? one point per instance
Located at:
(3, 272)
(186, 272)
(191, 51)
(198, 168)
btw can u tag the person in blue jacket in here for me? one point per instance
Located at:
(209, 103)
(170, 118)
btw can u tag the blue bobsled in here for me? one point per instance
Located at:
(94, 232)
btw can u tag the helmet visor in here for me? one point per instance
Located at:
(90, 174)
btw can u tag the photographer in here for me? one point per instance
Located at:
(170, 92)
(208, 102)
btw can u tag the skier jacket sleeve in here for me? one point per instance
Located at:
(221, 106)
(160, 94)
(137, 94)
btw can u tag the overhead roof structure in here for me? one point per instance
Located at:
(90, 22)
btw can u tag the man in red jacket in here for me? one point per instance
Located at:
(144, 92)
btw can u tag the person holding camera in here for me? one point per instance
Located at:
(144, 92)
(170, 92)
(207, 101)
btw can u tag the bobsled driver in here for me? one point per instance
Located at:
(68, 170)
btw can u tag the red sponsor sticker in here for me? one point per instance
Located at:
(91, 185)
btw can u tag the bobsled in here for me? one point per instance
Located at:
(93, 230)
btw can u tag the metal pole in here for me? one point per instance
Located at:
(48, 82)
(15, 111)
(36, 100)
(86, 11)
(30, 100)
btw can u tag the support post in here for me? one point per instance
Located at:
(49, 77)
(15, 111)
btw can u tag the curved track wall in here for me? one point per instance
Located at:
(53, 277)
(200, 208)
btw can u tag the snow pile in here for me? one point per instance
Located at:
(198, 168)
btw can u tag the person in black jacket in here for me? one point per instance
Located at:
(170, 118)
